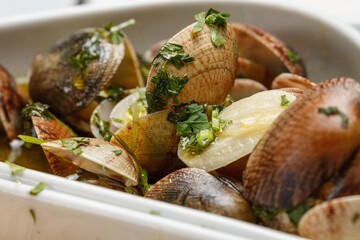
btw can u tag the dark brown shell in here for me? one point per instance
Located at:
(62, 86)
(197, 189)
(303, 148)
(263, 48)
(12, 100)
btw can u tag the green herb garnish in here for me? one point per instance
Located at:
(15, 169)
(38, 188)
(284, 101)
(111, 93)
(166, 86)
(113, 32)
(297, 212)
(73, 144)
(193, 126)
(329, 111)
(293, 57)
(32, 140)
(154, 212)
(175, 54)
(117, 152)
(32, 213)
(215, 20)
(102, 126)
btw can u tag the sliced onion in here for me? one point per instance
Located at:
(250, 117)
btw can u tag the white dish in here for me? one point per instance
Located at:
(327, 47)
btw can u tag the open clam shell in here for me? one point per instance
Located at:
(331, 220)
(97, 156)
(100, 123)
(245, 88)
(213, 69)
(190, 187)
(250, 117)
(263, 48)
(290, 80)
(65, 87)
(153, 141)
(12, 100)
(306, 145)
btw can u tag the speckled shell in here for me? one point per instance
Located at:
(52, 79)
(303, 148)
(195, 188)
(211, 74)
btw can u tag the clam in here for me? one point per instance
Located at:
(47, 127)
(96, 156)
(153, 141)
(100, 124)
(331, 220)
(250, 118)
(206, 79)
(245, 88)
(289, 80)
(313, 140)
(198, 189)
(265, 49)
(12, 100)
(76, 68)
(249, 69)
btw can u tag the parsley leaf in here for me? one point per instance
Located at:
(215, 20)
(284, 101)
(293, 57)
(117, 152)
(166, 86)
(111, 93)
(37, 189)
(74, 144)
(32, 213)
(329, 111)
(15, 169)
(175, 54)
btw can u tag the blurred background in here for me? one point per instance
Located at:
(345, 9)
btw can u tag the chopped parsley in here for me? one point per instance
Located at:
(215, 20)
(154, 212)
(90, 49)
(15, 169)
(73, 144)
(329, 111)
(32, 140)
(32, 213)
(284, 101)
(193, 126)
(102, 126)
(117, 120)
(166, 86)
(117, 152)
(37, 189)
(293, 57)
(175, 54)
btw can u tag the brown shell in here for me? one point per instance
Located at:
(48, 130)
(289, 80)
(154, 145)
(213, 69)
(197, 189)
(303, 148)
(12, 100)
(62, 86)
(263, 48)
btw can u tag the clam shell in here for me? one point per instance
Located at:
(332, 220)
(62, 86)
(103, 111)
(213, 69)
(303, 148)
(200, 190)
(98, 157)
(289, 80)
(263, 48)
(12, 100)
(245, 88)
(153, 141)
